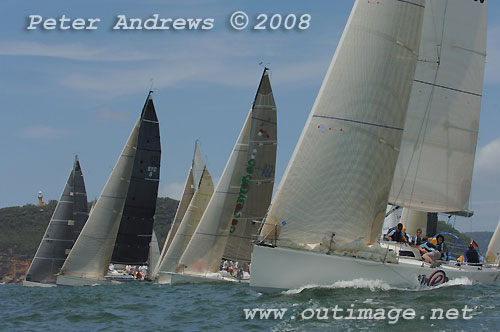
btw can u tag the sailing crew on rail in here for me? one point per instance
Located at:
(396, 234)
(432, 253)
(417, 240)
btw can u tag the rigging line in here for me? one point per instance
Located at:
(425, 122)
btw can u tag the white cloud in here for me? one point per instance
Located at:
(40, 132)
(74, 51)
(488, 158)
(107, 115)
(173, 190)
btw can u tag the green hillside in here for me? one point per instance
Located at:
(22, 227)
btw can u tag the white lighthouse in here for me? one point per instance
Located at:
(40, 198)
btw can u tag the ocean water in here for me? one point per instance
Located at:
(220, 307)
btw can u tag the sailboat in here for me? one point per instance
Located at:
(198, 190)
(493, 252)
(126, 197)
(204, 189)
(67, 221)
(193, 184)
(326, 219)
(250, 165)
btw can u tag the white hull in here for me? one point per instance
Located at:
(180, 278)
(63, 280)
(278, 269)
(36, 284)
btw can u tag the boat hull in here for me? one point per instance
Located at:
(279, 269)
(64, 280)
(180, 278)
(36, 284)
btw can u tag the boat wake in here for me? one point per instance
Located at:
(463, 281)
(377, 285)
(372, 285)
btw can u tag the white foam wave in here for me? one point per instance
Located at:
(373, 285)
(462, 281)
(378, 285)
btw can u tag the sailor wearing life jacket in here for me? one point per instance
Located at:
(417, 240)
(432, 253)
(396, 234)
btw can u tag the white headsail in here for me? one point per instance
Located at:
(493, 253)
(192, 183)
(434, 169)
(154, 253)
(187, 227)
(339, 177)
(92, 251)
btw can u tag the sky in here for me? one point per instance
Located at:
(65, 91)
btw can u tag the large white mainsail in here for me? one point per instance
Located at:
(339, 177)
(91, 254)
(206, 248)
(493, 253)
(192, 184)
(187, 227)
(434, 168)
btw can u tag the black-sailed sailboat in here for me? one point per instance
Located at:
(136, 227)
(121, 223)
(64, 227)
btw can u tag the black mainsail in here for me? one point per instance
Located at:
(136, 226)
(68, 219)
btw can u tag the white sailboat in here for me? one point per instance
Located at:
(88, 261)
(193, 183)
(204, 189)
(328, 212)
(247, 166)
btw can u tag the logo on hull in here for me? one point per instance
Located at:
(436, 278)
